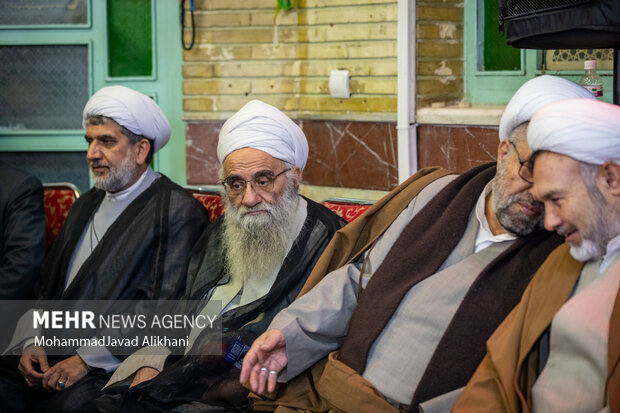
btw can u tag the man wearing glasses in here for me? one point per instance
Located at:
(436, 283)
(559, 350)
(254, 260)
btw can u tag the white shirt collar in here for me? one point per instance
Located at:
(485, 237)
(613, 250)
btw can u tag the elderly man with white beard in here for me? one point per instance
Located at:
(254, 260)
(559, 350)
(129, 238)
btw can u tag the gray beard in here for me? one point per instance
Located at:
(118, 177)
(256, 245)
(603, 228)
(516, 222)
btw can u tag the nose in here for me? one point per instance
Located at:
(552, 219)
(250, 197)
(93, 152)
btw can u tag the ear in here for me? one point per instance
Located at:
(297, 171)
(609, 174)
(143, 146)
(502, 151)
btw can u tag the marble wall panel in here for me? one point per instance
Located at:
(351, 154)
(455, 147)
(201, 152)
(341, 154)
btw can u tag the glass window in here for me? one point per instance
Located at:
(572, 59)
(52, 166)
(130, 45)
(496, 54)
(43, 87)
(43, 12)
(495, 70)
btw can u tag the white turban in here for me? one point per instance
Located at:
(133, 110)
(534, 94)
(261, 126)
(584, 129)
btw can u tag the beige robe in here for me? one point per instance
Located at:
(504, 379)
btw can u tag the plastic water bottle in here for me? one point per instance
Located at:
(591, 80)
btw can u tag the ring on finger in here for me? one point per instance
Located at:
(263, 369)
(273, 372)
(61, 384)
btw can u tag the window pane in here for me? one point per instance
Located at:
(52, 166)
(497, 54)
(572, 59)
(37, 12)
(43, 87)
(130, 48)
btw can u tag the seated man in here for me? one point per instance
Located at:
(254, 260)
(412, 315)
(22, 239)
(127, 239)
(559, 350)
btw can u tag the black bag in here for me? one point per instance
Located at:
(560, 24)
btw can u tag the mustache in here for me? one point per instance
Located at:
(98, 164)
(243, 210)
(567, 229)
(530, 200)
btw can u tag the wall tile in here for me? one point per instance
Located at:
(341, 154)
(458, 148)
(201, 152)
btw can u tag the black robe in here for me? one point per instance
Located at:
(142, 255)
(22, 232)
(211, 381)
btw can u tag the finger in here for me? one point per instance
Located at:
(29, 372)
(249, 361)
(36, 378)
(43, 364)
(62, 383)
(272, 380)
(49, 380)
(254, 377)
(262, 379)
(33, 378)
(25, 366)
(70, 379)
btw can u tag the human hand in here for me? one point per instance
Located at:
(265, 359)
(144, 374)
(33, 355)
(64, 373)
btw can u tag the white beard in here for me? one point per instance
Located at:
(256, 245)
(603, 226)
(588, 250)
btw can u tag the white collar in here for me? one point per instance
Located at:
(485, 237)
(613, 250)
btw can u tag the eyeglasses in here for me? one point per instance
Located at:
(262, 183)
(525, 167)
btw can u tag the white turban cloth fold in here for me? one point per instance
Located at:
(584, 129)
(534, 94)
(261, 126)
(131, 109)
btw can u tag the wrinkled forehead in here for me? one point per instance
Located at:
(246, 162)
